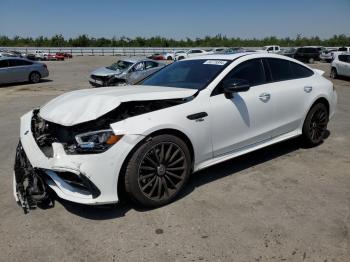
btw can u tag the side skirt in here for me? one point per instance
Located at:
(246, 150)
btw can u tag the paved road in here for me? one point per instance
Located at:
(282, 203)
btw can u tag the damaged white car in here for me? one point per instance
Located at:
(89, 145)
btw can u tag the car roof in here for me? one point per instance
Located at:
(15, 58)
(237, 55)
(245, 54)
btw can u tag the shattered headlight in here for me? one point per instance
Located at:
(94, 142)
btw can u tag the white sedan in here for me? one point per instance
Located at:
(88, 146)
(190, 53)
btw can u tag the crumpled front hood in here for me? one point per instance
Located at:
(85, 105)
(104, 71)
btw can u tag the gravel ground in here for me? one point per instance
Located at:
(282, 203)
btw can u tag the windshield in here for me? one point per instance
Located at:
(120, 65)
(192, 74)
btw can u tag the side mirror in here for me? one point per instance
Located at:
(234, 86)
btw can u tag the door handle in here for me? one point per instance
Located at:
(265, 97)
(307, 89)
(197, 116)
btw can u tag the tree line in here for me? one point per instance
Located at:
(209, 41)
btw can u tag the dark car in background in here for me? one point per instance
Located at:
(308, 54)
(290, 52)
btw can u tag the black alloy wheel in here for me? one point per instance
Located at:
(158, 170)
(315, 124)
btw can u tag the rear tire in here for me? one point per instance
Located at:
(315, 125)
(334, 73)
(34, 77)
(157, 171)
(169, 58)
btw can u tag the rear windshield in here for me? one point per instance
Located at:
(192, 74)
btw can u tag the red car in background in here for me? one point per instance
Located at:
(157, 56)
(51, 57)
(64, 54)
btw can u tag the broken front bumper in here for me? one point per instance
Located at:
(86, 179)
(96, 83)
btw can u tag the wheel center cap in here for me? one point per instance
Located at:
(161, 170)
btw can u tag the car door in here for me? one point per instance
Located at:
(136, 72)
(18, 70)
(291, 88)
(342, 65)
(4, 72)
(246, 118)
(347, 69)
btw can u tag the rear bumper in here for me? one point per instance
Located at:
(101, 171)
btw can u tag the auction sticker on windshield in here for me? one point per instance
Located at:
(215, 62)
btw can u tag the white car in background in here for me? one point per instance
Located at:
(327, 55)
(88, 146)
(270, 49)
(216, 50)
(190, 53)
(340, 50)
(39, 55)
(340, 65)
(172, 55)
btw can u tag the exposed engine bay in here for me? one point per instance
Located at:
(46, 133)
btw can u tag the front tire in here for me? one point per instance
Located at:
(315, 125)
(334, 73)
(157, 171)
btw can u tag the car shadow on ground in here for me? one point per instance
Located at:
(216, 172)
(24, 83)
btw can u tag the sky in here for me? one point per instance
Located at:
(175, 19)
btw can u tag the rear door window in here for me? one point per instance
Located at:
(300, 71)
(342, 58)
(15, 62)
(280, 69)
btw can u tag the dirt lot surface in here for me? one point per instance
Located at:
(282, 203)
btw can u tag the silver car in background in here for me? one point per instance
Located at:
(126, 71)
(15, 69)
